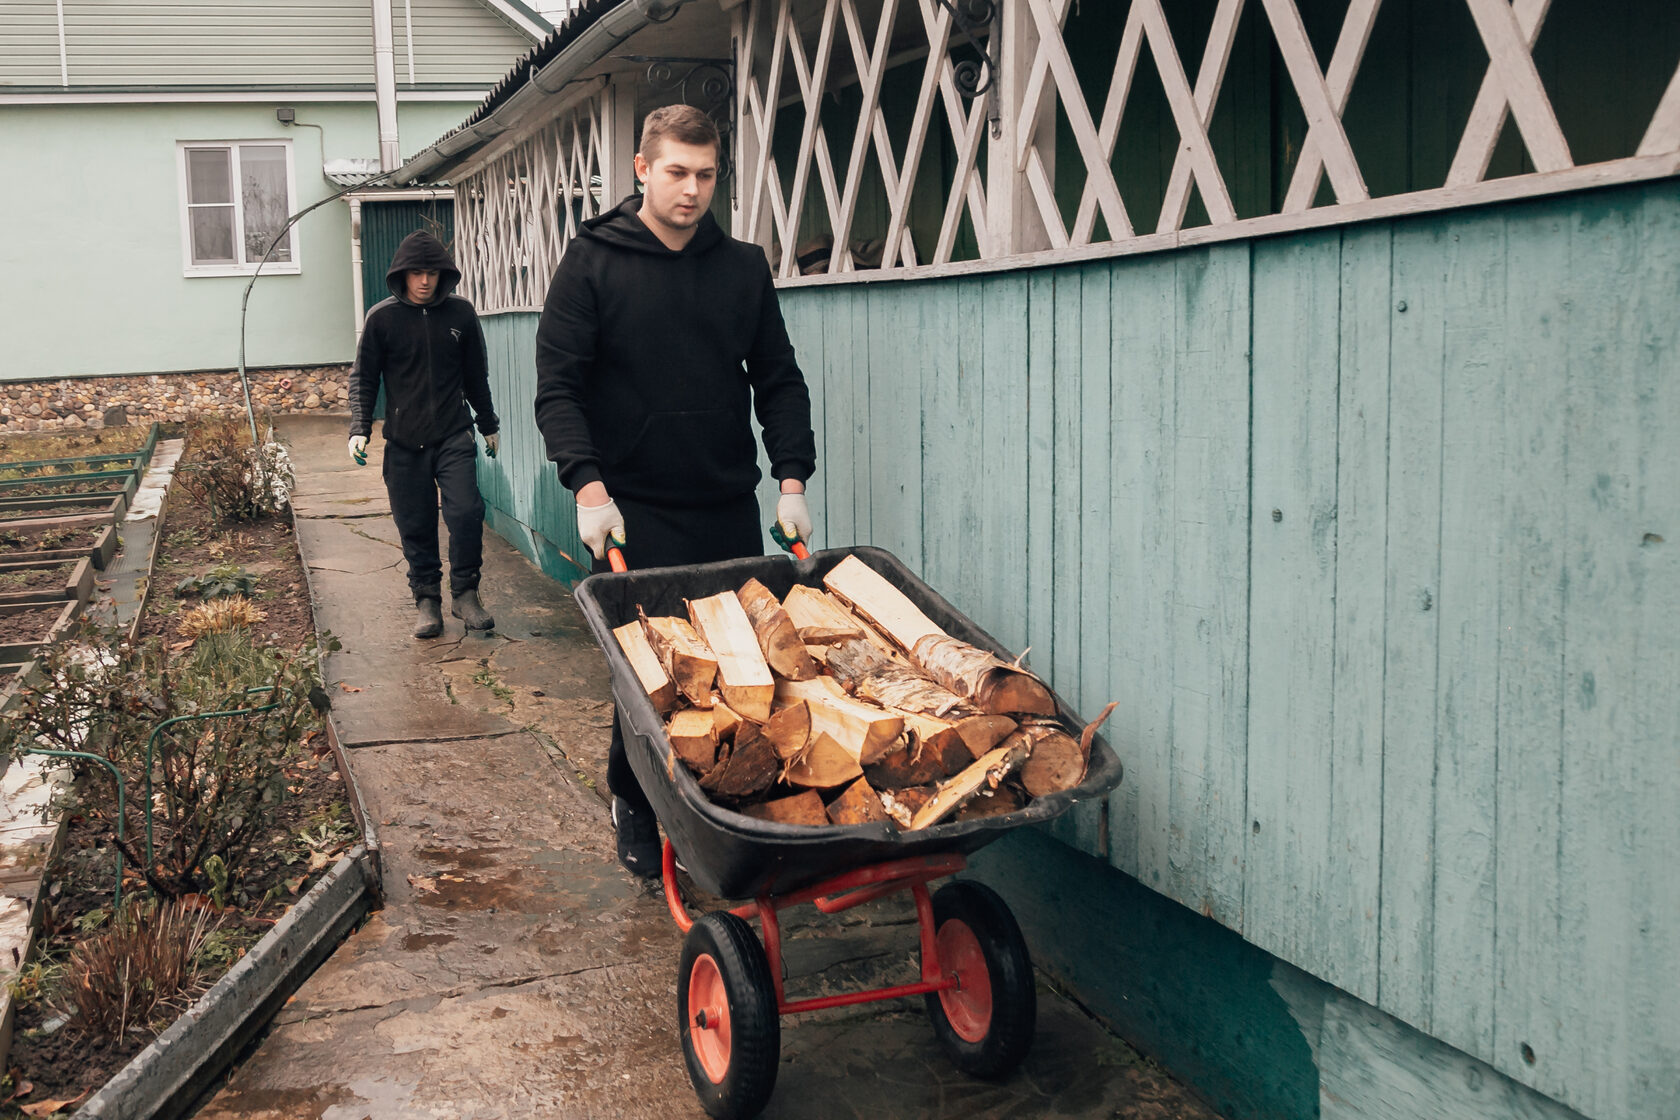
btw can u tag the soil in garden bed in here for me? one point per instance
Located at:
(280, 868)
(15, 541)
(51, 487)
(18, 446)
(69, 510)
(29, 625)
(44, 578)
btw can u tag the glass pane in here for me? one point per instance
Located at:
(208, 176)
(262, 188)
(212, 234)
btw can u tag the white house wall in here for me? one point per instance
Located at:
(259, 42)
(91, 271)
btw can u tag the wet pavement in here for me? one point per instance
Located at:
(516, 970)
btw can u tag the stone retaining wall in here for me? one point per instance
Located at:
(93, 402)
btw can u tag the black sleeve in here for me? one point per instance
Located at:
(566, 349)
(780, 397)
(475, 376)
(364, 379)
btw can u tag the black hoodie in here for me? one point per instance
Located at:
(650, 362)
(431, 358)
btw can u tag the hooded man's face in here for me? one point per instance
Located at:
(422, 285)
(677, 184)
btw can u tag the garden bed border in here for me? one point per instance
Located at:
(167, 1078)
(78, 587)
(104, 547)
(12, 653)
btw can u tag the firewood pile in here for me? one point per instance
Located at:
(847, 705)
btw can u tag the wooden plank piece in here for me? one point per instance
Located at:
(694, 737)
(633, 640)
(743, 676)
(865, 731)
(818, 618)
(879, 602)
(984, 773)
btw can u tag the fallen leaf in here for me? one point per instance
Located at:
(452, 878)
(47, 1108)
(335, 776)
(423, 883)
(24, 1088)
(177, 647)
(292, 885)
(348, 687)
(318, 860)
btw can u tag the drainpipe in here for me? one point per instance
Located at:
(356, 267)
(385, 85)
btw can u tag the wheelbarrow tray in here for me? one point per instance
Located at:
(730, 854)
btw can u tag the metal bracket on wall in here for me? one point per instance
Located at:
(707, 84)
(974, 19)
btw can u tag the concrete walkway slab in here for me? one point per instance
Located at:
(516, 970)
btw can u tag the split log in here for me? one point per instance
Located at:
(743, 676)
(867, 672)
(818, 619)
(802, 808)
(928, 758)
(694, 738)
(865, 731)
(858, 805)
(990, 683)
(690, 664)
(902, 805)
(724, 719)
(1056, 762)
(823, 764)
(879, 602)
(633, 640)
(984, 773)
(984, 733)
(992, 803)
(789, 729)
(783, 649)
(748, 768)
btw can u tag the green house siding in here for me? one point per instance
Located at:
(1372, 534)
(101, 246)
(286, 42)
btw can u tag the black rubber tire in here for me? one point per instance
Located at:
(755, 1027)
(1014, 1013)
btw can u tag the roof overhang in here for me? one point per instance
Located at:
(581, 41)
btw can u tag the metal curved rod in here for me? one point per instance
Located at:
(122, 805)
(158, 730)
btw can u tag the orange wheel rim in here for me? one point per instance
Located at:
(968, 1006)
(708, 1017)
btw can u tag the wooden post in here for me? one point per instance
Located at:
(618, 140)
(1016, 225)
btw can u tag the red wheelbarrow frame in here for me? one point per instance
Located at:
(831, 896)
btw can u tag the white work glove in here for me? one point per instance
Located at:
(597, 523)
(492, 444)
(358, 450)
(795, 516)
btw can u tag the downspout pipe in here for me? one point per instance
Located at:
(356, 266)
(385, 85)
(595, 42)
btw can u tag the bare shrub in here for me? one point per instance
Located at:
(143, 963)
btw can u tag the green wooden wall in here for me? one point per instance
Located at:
(1374, 533)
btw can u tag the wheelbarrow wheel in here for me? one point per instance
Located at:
(986, 1023)
(726, 1006)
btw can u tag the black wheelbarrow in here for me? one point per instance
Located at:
(977, 975)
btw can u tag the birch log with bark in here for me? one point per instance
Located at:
(867, 732)
(988, 682)
(656, 682)
(871, 595)
(690, 664)
(819, 619)
(777, 638)
(867, 672)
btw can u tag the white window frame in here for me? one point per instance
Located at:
(243, 267)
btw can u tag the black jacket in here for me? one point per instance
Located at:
(649, 363)
(432, 358)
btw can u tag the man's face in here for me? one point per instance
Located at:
(678, 184)
(422, 284)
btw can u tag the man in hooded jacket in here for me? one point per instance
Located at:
(425, 345)
(660, 337)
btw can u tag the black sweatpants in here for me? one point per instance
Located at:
(663, 536)
(414, 479)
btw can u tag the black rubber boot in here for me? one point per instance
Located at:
(465, 606)
(428, 622)
(638, 839)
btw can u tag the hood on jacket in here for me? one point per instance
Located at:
(425, 252)
(622, 226)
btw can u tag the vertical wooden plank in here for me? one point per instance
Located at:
(1062, 660)
(1292, 619)
(1467, 606)
(1208, 629)
(894, 438)
(1529, 887)
(1003, 333)
(1143, 350)
(1353, 879)
(950, 451)
(839, 408)
(861, 324)
(1041, 527)
(804, 313)
(1404, 987)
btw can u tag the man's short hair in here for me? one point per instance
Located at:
(682, 123)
